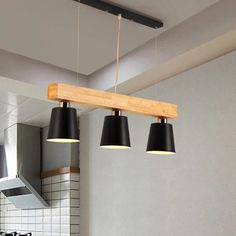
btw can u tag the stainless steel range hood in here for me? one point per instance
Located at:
(20, 167)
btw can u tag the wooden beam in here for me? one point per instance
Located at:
(103, 99)
(60, 171)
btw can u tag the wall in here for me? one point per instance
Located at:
(61, 218)
(58, 155)
(193, 193)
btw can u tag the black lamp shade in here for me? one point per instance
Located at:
(63, 127)
(161, 139)
(115, 134)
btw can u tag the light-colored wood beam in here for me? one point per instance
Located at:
(103, 99)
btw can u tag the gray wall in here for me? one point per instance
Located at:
(129, 192)
(58, 155)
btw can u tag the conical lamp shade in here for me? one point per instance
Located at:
(63, 127)
(115, 134)
(161, 139)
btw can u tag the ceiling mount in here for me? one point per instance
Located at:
(127, 14)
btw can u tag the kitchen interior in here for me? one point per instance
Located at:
(117, 118)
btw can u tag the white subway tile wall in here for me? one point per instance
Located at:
(62, 218)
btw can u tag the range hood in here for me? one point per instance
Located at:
(20, 165)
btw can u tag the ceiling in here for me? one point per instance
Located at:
(46, 30)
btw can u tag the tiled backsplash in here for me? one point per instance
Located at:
(62, 218)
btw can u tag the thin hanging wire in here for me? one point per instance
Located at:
(155, 46)
(155, 57)
(78, 44)
(118, 52)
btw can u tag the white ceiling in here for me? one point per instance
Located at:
(46, 30)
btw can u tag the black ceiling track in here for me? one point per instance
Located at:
(127, 14)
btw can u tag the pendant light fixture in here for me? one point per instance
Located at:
(63, 127)
(115, 133)
(161, 138)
